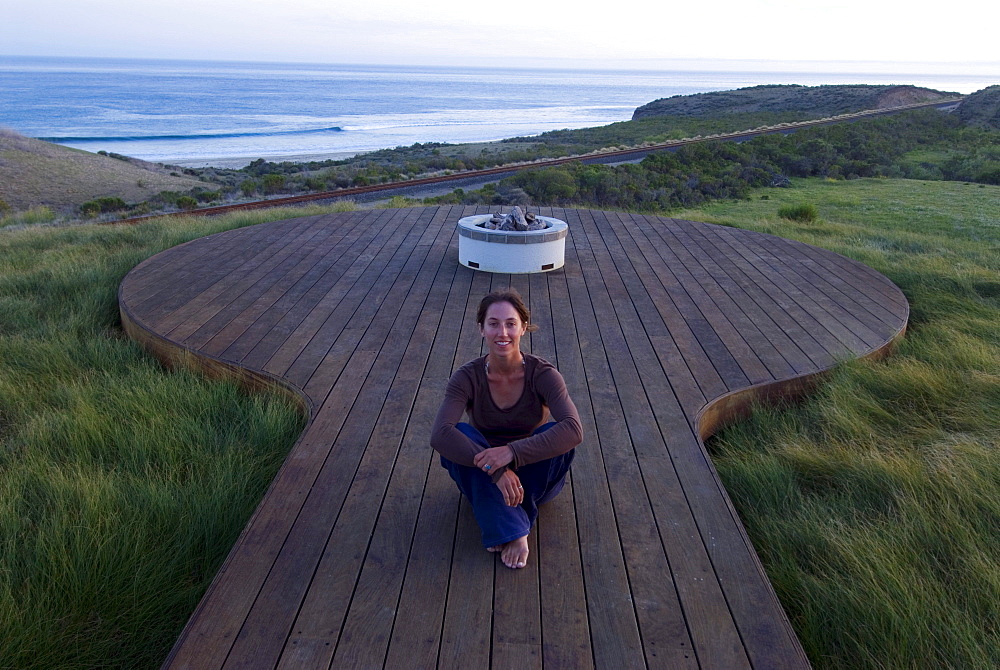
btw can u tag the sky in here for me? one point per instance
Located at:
(832, 35)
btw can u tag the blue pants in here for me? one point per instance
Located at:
(499, 522)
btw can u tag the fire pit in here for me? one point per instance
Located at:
(483, 247)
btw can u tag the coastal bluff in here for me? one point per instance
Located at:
(813, 100)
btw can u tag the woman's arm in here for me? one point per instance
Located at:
(565, 435)
(447, 440)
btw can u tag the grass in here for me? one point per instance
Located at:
(122, 487)
(801, 213)
(29, 217)
(33, 172)
(875, 504)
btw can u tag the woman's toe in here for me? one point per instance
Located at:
(515, 554)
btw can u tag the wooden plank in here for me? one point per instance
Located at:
(654, 310)
(822, 296)
(681, 356)
(222, 616)
(416, 634)
(466, 631)
(465, 637)
(358, 449)
(309, 267)
(208, 636)
(873, 283)
(659, 235)
(395, 451)
(517, 620)
(517, 626)
(241, 256)
(665, 628)
(563, 601)
(766, 640)
(673, 280)
(715, 299)
(614, 629)
(824, 326)
(345, 324)
(565, 624)
(270, 334)
(818, 343)
(318, 375)
(188, 258)
(284, 350)
(868, 296)
(213, 307)
(737, 294)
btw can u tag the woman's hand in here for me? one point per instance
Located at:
(489, 460)
(510, 487)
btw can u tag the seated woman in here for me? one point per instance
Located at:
(511, 458)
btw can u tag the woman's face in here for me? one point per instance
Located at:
(502, 328)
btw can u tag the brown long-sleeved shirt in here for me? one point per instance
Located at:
(544, 394)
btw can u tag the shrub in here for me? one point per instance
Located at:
(206, 196)
(801, 213)
(169, 197)
(249, 187)
(186, 202)
(111, 204)
(102, 206)
(989, 176)
(273, 183)
(315, 183)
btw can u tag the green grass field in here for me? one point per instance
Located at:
(874, 504)
(122, 487)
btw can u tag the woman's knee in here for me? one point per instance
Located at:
(472, 433)
(544, 427)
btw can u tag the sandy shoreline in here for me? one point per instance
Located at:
(237, 162)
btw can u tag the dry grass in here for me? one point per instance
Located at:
(34, 173)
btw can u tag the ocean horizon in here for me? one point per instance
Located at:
(226, 114)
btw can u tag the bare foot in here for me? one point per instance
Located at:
(495, 549)
(515, 553)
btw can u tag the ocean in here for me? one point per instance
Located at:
(198, 113)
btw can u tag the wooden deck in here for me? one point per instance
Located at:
(363, 554)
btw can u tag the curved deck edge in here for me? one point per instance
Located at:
(736, 405)
(173, 356)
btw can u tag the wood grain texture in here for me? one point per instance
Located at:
(362, 553)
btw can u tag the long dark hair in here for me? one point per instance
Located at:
(505, 295)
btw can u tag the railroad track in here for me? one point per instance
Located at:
(611, 156)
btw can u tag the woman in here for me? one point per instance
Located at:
(510, 459)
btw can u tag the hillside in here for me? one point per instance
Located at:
(812, 100)
(33, 173)
(981, 108)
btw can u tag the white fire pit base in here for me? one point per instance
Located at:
(511, 251)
